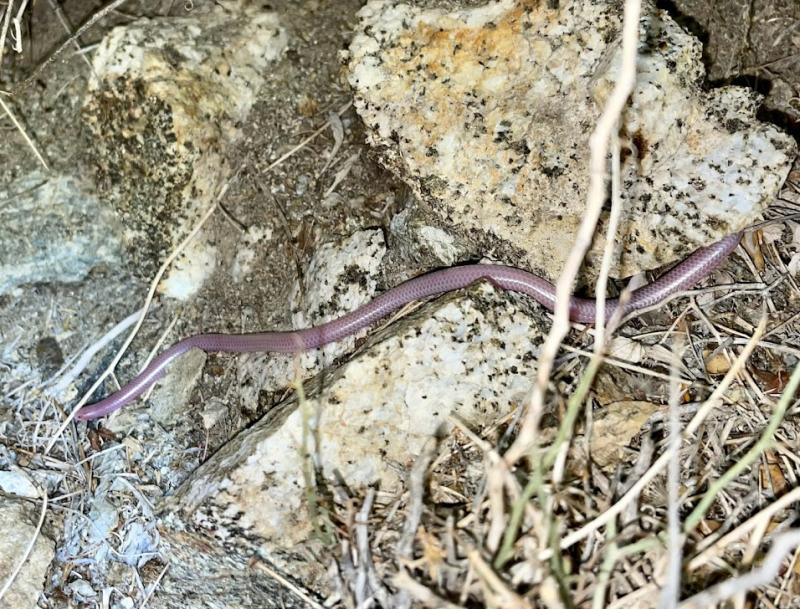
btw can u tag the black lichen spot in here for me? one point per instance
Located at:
(734, 125)
(641, 143)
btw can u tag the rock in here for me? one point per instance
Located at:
(17, 482)
(51, 230)
(82, 591)
(340, 278)
(613, 428)
(17, 528)
(469, 355)
(486, 113)
(166, 101)
(170, 398)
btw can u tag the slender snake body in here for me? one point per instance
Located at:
(681, 277)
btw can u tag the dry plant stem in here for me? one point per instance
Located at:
(28, 550)
(4, 31)
(27, 139)
(17, 23)
(151, 292)
(541, 466)
(760, 576)
(416, 490)
(319, 521)
(671, 590)
(751, 523)
(368, 583)
(599, 144)
(626, 365)
(764, 442)
(711, 403)
(608, 249)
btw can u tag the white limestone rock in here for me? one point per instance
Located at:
(486, 112)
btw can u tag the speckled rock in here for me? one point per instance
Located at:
(165, 103)
(52, 230)
(468, 355)
(171, 396)
(486, 112)
(340, 277)
(17, 528)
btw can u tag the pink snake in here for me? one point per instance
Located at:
(681, 277)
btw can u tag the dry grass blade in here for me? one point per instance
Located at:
(24, 134)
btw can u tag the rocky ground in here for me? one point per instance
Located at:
(318, 154)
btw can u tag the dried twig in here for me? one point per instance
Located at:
(25, 136)
(599, 144)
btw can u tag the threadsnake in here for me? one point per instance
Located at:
(681, 277)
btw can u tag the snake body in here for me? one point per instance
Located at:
(681, 277)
